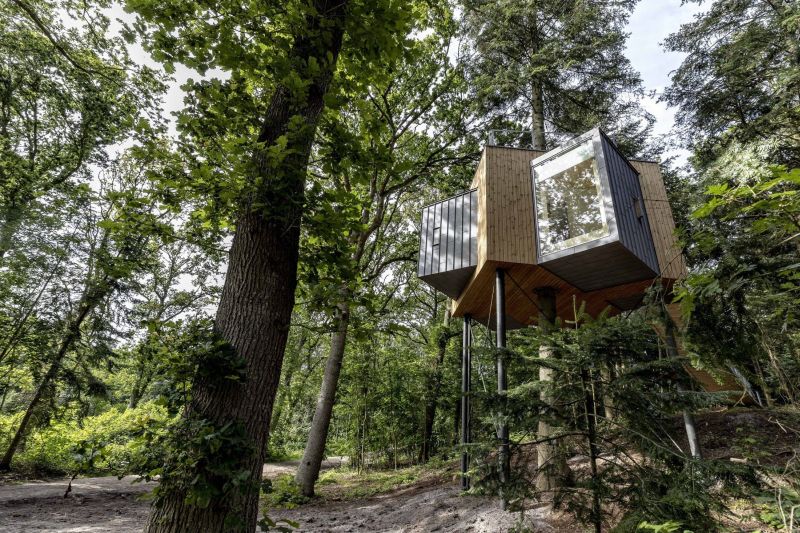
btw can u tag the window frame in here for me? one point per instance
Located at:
(605, 190)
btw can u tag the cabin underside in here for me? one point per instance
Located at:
(521, 284)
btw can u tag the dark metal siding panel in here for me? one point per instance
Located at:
(634, 233)
(423, 242)
(451, 234)
(437, 238)
(448, 236)
(473, 228)
(459, 232)
(443, 228)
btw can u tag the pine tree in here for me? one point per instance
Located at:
(557, 66)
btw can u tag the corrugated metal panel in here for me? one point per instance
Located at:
(633, 227)
(448, 242)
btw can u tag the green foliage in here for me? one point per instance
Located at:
(623, 365)
(282, 525)
(564, 61)
(204, 461)
(738, 82)
(107, 443)
(282, 492)
(670, 526)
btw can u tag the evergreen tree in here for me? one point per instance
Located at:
(556, 67)
(737, 95)
(739, 80)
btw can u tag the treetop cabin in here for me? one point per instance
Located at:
(540, 233)
(580, 219)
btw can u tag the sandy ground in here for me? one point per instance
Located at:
(95, 505)
(414, 509)
(108, 504)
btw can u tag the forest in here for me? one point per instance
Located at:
(211, 311)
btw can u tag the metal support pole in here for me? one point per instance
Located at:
(688, 418)
(502, 377)
(466, 377)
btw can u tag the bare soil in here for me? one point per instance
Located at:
(107, 504)
(416, 509)
(94, 505)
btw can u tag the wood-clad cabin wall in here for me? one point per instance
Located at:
(479, 183)
(662, 225)
(510, 232)
(506, 231)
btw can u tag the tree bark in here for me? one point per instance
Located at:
(607, 374)
(552, 464)
(537, 117)
(258, 295)
(308, 470)
(433, 389)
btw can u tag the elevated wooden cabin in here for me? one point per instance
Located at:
(581, 219)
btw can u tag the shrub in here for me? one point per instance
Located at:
(121, 434)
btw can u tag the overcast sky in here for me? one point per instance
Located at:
(650, 24)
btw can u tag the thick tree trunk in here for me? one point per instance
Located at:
(73, 331)
(308, 471)
(258, 296)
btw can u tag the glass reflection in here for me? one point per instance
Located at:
(569, 200)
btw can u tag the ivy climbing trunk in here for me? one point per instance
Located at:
(308, 471)
(258, 295)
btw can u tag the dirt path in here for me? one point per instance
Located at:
(99, 504)
(415, 509)
(96, 504)
(108, 504)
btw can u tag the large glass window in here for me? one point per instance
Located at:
(569, 200)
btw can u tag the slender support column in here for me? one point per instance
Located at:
(688, 418)
(466, 377)
(502, 377)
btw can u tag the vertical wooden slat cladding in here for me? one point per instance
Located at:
(662, 225)
(634, 232)
(506, 180)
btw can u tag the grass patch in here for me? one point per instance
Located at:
(344, 484)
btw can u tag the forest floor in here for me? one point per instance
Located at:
(405, 500)
(355, 503)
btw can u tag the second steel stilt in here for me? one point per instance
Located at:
(466, 376)
(502, 377)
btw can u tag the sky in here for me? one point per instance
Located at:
(651, 23)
